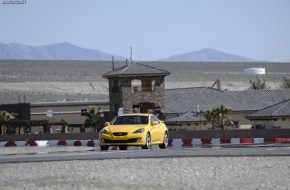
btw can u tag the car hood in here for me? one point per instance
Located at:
(124, 128)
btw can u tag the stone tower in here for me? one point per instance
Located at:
(137, 88)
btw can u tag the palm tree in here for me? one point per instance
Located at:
(258, 84)
(93, 116)
(217, 116)
(223, 112)
(5, 116)
(210, 117)
(285, 83)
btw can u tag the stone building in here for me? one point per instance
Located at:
(136, 88)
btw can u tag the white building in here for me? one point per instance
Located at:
(255, 71)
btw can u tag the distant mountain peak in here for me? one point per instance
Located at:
(207, 55)
(64, 44)
(207, 50)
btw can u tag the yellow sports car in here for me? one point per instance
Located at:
(134, 130)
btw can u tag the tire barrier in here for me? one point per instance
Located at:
(186, 142)
(10, 143)
(247, 140)
(91, 143)
(61, 143)
(31, 143)
(206, 141)
(170, 142)
(225, 140)
(77, 143)
(174, 143)
(279, 140)
(114, 148)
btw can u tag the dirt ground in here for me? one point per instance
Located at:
(80, 91)
(46, 81)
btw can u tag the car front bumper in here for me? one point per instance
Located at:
(132, 140)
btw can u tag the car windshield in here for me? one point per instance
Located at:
(125, 120)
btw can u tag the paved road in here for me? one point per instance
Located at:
(198, 151)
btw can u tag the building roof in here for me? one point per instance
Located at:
(187, 99)
(186, 117)
(136, 69)
(70, 103)
(272, 112)
(251, 100)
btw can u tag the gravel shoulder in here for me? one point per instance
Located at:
(171, 173)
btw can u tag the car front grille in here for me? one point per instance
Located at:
(120, 134)
(121, 141)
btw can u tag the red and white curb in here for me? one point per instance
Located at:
(45, 143)
(187, 142)
(176, 143)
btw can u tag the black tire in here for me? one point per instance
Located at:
(165, 141)
(123, 147)
(104, 147)
(148, 142)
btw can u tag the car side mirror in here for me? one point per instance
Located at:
(154, 123)
(107, 123)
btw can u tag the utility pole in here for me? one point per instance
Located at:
(131, 59)
(113, 63)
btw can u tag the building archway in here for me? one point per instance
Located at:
(115, 86)
(147, 107)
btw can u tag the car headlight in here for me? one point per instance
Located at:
(104, 131)
(139, 131)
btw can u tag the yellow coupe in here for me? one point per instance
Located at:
(134, 130)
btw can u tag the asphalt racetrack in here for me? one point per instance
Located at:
(258, 166)
(38, 154)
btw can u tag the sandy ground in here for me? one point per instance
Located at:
(34, 81)
(102, 87)
(14, 92)
(56, 87)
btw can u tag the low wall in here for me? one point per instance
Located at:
(269, 133)
(240, 133)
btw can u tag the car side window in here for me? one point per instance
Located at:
(144, 120)
(154, 118)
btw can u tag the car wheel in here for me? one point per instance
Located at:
(165, 141)
(123, 147)
(148, 142)
(104, 147)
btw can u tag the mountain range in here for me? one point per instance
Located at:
(207, 55)
(68, 51)
(60, 51)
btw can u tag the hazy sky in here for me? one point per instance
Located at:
(258, 29)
